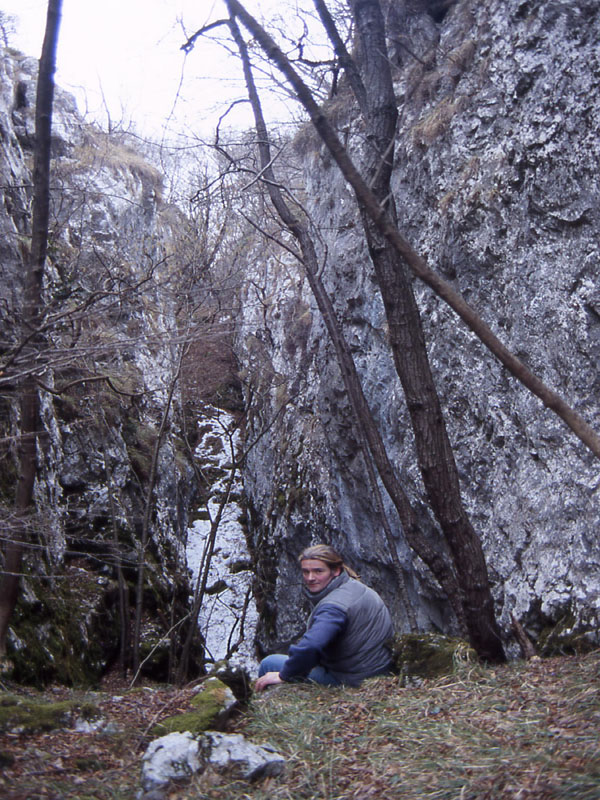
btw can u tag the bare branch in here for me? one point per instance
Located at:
(94, 379)
(346, 61)
(188, 46)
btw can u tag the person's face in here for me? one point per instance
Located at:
(317, 574)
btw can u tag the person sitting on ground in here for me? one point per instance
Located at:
(346, 634)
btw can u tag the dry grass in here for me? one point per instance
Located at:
(526, 731)
(64, 763)
(435, 124)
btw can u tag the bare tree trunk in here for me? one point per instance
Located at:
(32, 312)
(369, 438)
(470, 593)
(527, 647)
(434, 451)
(440, 475)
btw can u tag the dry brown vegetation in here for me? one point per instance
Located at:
(526, 730)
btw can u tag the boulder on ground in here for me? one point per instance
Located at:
(428, 655)
(180, 755)
(232, 753)
(169, 758)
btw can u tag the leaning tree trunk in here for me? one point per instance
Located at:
(416, 263)
(387, 226)
(31, 318)
(475, 597)
(470, 595)
(434, 451)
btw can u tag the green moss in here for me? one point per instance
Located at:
(428, 655)
(210, 706)
(27, 716)
(62, 632)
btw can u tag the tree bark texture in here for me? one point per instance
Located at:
(366, 429)
(369, 439)
(379, 213)
(465, 582)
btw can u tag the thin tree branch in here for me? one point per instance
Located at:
(188, 46)
(346, 61)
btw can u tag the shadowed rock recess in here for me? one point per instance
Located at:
(496, 184)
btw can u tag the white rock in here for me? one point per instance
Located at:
(180, 755)
(225, 751)
(170, 757)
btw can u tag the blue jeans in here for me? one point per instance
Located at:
(318, 674)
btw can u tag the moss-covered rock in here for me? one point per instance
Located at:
(213, 705)
(428, 655)
(234, 676)
(64, 631)
(19, 715)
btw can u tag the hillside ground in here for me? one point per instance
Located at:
(525, 730)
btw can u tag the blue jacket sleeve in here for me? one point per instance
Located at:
(328, 622)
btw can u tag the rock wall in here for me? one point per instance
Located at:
(112, 338)
(496, 184)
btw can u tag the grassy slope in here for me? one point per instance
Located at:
(526, 730)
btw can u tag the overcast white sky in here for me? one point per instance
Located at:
(129, 50)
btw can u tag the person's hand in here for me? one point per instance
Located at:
(268, 679)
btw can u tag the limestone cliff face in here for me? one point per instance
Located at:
(496, 184)
(111, 322)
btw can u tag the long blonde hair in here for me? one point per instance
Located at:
(325, 553)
